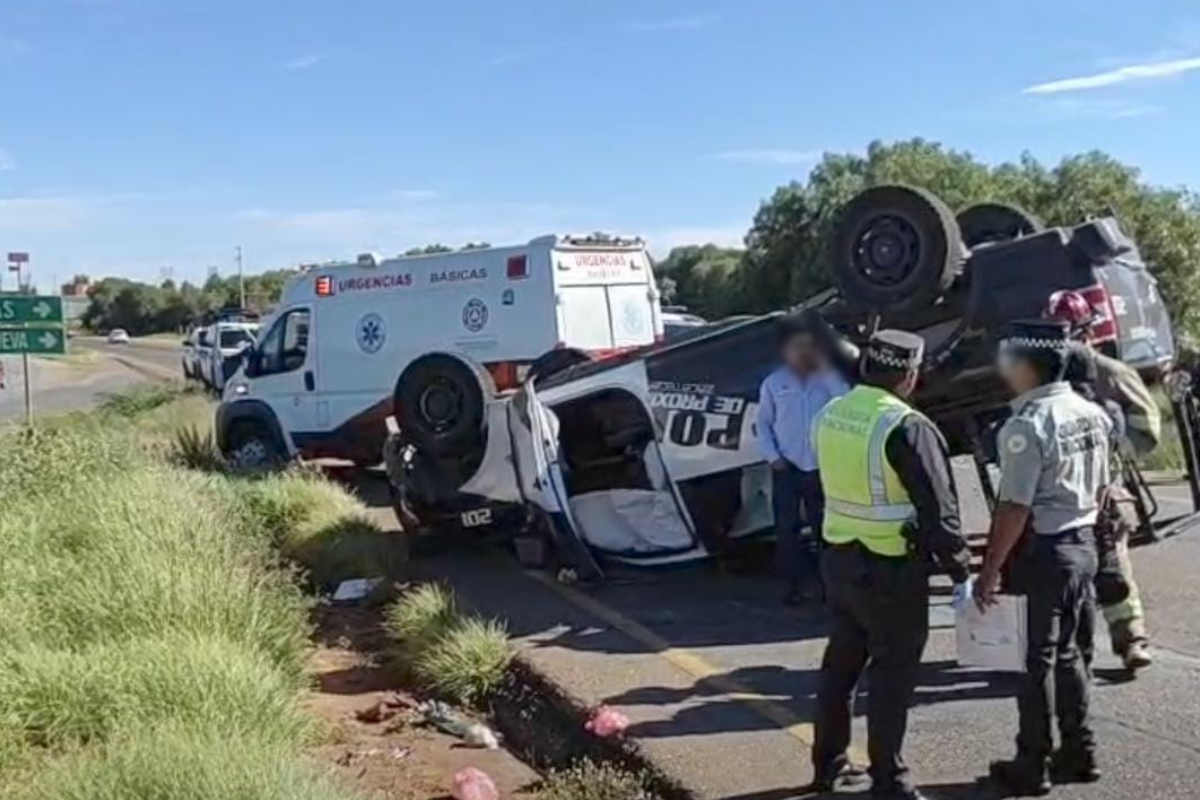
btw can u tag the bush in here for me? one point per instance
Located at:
(587, 780)
(421, 616)
(468, 662)
(320, 526)
(175, 762)
(139, 400)
(60, 697)
(192, 449)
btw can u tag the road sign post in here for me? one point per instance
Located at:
(30, 324)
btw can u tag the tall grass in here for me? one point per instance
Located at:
(462, 658)
(152, 642)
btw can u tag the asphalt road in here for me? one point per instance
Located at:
(157, 359)
(719, 679)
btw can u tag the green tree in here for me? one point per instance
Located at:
(788, 242)
(705, 278)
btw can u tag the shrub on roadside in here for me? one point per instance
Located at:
(139, 400)
(467, 663)
(587, 780)
(175, 762)
(421, 616)
(192, 449)
(319, 525)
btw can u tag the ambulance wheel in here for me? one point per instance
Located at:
(986, 223)
(439, 405)
(895, 247)
(252, 447)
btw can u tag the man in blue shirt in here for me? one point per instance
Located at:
(789, 400)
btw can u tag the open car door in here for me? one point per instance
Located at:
(534, 432)
(609, 467)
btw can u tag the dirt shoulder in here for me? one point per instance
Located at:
(394, 757)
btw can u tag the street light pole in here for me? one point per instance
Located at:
(241, 281)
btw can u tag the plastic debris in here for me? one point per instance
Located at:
(355, 589)
(447, 720)
(480, 735)
(473, 784)
(606, 721)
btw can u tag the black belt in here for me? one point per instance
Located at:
(1084, 534)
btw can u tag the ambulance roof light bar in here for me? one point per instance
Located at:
(601, 238)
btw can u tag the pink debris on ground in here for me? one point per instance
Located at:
(473, 784)
(607, 721)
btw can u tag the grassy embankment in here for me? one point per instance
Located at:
(152, 642)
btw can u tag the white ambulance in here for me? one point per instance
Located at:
(430, 338)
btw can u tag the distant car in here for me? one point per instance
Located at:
(118, 336)
(187, 358)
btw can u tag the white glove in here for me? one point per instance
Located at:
(962, 593)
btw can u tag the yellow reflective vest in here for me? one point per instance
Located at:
(864, 499)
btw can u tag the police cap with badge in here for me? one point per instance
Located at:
(890, 349)
(1034, 338)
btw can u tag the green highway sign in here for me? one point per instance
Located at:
(45, 341)
(18, 309)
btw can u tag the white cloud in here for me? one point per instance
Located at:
(1097, 108)
(682, 23)
(47, 213)
(6, 160)
(303, 62)
(1133, 72)
(775, 156)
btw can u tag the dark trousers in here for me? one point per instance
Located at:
(796, 554)
(880, 613)
(1058, 572)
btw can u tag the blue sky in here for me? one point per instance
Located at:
(140, 135)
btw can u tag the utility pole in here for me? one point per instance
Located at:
(241, 280)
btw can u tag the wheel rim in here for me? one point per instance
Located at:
(440, 404)
(252, 453)
(887, 250)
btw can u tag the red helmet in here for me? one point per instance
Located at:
(1072, 308)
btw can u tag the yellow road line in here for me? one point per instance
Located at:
(693, 664)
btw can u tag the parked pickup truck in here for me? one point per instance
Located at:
(651, 457)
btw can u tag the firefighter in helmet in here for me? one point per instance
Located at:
(1119, 389)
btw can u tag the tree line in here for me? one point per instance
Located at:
(786, 254)
(785, 257)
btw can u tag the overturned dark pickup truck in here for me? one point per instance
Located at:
(652, 457)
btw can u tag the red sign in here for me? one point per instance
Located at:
(399, 281)
(18, 258)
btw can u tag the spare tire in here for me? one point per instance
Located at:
(985, 223)
(439, 405)
(895, 247)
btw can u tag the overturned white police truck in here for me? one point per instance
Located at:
(651, 458)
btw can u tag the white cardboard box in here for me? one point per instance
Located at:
(996, 639)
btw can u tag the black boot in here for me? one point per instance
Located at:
(842, 773)
(1022, 776)
(1074, 766)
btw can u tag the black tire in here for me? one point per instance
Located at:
(439, 405)
(252, 447)
(895, 247)
(554, 361)
(986, 223)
